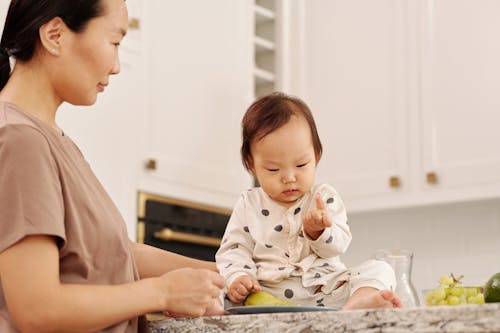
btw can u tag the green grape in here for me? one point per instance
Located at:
(446, 280)
(439, 294)
(471, 291)
(471, 300)
(429, 298)
(453, 300)
(479, 298)
(451, 291)
(456, 291)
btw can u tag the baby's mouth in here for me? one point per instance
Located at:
(289, 192)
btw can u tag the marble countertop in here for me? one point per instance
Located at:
(466, 318)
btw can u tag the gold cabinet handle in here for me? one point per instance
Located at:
(134, 23)
(394, 182)
(141, 232)
(150, 164)
(432, 178)
(169, 235)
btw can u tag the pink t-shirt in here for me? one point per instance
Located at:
(48, 188)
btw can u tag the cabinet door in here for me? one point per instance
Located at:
(200, 83)
(354, 80)
(461, 97)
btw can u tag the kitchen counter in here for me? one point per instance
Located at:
(466, 318)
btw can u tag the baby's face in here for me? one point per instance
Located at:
(284, 162)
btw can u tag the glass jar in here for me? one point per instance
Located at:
(401, 262)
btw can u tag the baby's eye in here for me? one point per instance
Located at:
(301, 165)
(272, 170)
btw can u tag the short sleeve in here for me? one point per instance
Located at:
(30, 190)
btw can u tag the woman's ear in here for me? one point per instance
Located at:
(51, 35)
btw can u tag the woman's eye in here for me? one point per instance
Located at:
(116, 44)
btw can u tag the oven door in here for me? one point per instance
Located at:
(186, 228)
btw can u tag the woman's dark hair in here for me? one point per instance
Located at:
(269, 113)
(20, 36)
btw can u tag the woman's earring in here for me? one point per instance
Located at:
(53, 50)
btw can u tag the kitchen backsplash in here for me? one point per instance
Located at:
(461, 238)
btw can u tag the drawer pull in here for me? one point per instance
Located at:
(432, 178)
(150, 164)
(169, 235)
(394, 182)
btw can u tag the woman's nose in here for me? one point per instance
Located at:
(116, 66)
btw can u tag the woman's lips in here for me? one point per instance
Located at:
(101, 87)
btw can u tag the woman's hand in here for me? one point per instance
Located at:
(241, 287)
(316, 221)
(191, 292)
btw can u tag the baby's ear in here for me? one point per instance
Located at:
(251, 166)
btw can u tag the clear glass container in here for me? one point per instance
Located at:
(401, 262)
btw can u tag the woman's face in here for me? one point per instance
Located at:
(88, 58)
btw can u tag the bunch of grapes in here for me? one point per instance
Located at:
(451, 292)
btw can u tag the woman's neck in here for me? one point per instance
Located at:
(30, 89)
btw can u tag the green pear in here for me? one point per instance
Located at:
(264, 298)
(492, 289)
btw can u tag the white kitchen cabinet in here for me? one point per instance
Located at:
(406, 96)
(460, 97)
(131, 46)
(199, 65)
(353, 78)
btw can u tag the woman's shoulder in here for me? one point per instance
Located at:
(22, 137)
(15, 121)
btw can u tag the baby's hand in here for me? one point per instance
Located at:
(241, 287)
(316, 221)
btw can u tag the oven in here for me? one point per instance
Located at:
(191, 229)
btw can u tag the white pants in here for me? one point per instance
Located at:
(335, 293)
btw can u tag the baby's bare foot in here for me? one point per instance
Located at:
(369, 298)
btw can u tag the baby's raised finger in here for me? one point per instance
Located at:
(320, 204)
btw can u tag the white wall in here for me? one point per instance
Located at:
(461, 238)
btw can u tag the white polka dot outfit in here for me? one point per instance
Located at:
(267, 241)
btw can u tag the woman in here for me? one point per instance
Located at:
(66, 263)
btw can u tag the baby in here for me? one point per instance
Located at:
(286, 236)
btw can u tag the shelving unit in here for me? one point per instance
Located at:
(265, 47)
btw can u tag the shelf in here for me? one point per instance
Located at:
(263, 76)
(262, 44)
(265, 47)
(263, 14)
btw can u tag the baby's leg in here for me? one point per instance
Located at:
(371, 298)
(371, 283)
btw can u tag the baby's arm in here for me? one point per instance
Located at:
(333, 239)
(316, 221)
(235, 255)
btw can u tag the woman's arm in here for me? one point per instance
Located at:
(38, 301)
(152, 261)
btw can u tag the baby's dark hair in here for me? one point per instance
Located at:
(269, 113)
